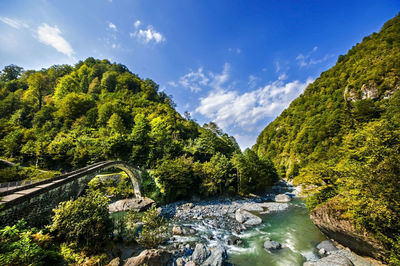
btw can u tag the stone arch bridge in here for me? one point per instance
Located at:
(36, 201)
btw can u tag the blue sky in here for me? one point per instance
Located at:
(237, 63)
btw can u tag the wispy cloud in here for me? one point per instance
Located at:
(308, 60)
(197, 80)
(148, 34)
(112, 26)
(252, 81)
(52, 36)
(218, 80)
(15, 23)
(194, 80)
(282, 76)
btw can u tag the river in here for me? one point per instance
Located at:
(212, 222)
(292, 228)
(214, 225)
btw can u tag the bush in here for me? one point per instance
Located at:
(84, 221)
(176, 178)
(155, 229)
(20, 245)
(74, 256)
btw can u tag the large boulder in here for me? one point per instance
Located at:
(327, 245)
(272, 245)
(151, 257)
(330, 220)
(282, 198)
(246, 218)
(331, 260)
(138, 204)
(200, 253)
(217, 257)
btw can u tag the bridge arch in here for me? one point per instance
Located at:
(134, 174)
(35, 202)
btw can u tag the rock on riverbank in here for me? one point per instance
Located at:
(138, 204)
(330, 221)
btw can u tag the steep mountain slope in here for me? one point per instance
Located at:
(341, 138)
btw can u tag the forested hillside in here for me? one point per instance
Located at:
(341, 137)
(67, 117)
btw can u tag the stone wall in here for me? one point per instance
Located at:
(37, 210)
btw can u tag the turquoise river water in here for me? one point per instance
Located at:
(292, 228)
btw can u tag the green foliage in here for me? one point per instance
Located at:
(217, 174)
(17, 173)
(175, 178)
(253, 173)
(110, 186)
(141, 140)
(73, 255)
(340, 138)
(67, 117)
(84, 221)
(149, 187)
(154, 231)
(20, 245)
(10, 73)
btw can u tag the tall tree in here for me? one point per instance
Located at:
(38, 87)
(10, 72)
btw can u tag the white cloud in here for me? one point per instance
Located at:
(17, 24)
(232, 109)
(150, 34)
(52, 36)
(112, 26)
(194, 80)
(137, 24)
(147, 35)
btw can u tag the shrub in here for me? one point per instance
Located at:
(74, 256)
(155, 229)
(20, 245)
(85, 221)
